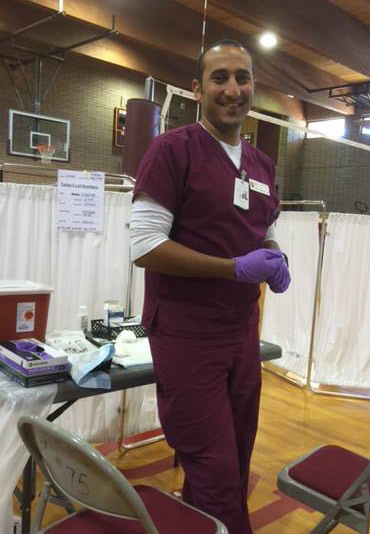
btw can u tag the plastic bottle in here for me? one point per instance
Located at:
(83, 319)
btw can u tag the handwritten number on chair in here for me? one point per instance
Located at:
(80, 484)
(72, 474)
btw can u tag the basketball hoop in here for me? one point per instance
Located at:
(46, 152)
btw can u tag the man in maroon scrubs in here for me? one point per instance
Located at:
(202, 226)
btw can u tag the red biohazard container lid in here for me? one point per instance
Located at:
(23, 287)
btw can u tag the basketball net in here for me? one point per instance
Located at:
(46, 152)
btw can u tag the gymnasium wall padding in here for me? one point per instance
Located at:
(142, 125)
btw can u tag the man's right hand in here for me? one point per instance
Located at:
(259, 265)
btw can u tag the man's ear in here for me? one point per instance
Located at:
(195, 85)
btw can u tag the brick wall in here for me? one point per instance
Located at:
(336, 173)
(86, 91)
(321, 169)
(290, 162)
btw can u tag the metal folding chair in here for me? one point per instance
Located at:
(78, 473)
(334, 481)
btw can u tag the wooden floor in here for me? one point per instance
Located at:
(292, 422)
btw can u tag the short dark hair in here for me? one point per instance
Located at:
(221, 42)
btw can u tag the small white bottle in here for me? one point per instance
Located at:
(83, 319)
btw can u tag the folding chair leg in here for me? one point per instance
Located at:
(121, 423)
(39, 514)
(325, 526)
(49, 495)
(329, 521)
(62, 501)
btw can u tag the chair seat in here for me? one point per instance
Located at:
(168, 514)
(329, 470)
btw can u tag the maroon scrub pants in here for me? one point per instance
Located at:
(208, 400)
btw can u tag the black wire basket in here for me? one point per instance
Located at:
(99, 329)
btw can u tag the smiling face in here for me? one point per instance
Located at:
(226, 90)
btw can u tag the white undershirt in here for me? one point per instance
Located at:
(234, 152)
(151, 223)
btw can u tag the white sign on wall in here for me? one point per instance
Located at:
(80, 200)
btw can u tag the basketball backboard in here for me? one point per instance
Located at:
(29, 130)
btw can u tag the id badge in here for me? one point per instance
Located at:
(260, 187)
(241, 194)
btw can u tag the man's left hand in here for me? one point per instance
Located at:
(280, 280)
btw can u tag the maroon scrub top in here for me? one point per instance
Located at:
(188, 172)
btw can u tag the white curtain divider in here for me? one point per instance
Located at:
(84, 268)
(342, 340)
(16, 401)
(141, 410)
(287, 317)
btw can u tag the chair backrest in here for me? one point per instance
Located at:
(80, 472)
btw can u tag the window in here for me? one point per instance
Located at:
(333, 128)
(365, 130)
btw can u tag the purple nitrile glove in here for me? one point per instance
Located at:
(258, 265)
(280, 280)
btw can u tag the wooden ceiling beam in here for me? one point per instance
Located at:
(316, 24)
(142, 59)
(272, 75)
(171, 26)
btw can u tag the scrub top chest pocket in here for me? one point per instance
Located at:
(261, 204)
(242, 188)
(260, 199)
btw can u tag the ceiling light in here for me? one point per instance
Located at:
(268, 40)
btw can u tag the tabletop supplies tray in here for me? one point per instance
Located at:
(99, 329)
